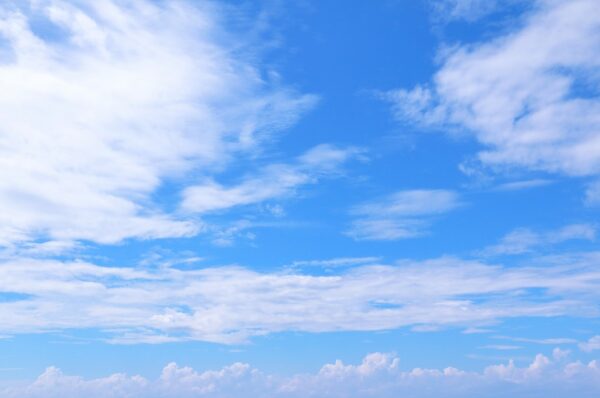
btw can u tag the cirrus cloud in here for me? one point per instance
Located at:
(103, 102)
(529, 97)
(232, 304)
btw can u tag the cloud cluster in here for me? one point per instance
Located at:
(529, 97)
(153, 304)
(404, 214)
(101, 102)
(379, 375)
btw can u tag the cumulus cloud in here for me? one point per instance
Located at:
(102, 102)
(232, 304)
(404, 214)
(379, 375)
(529, 97)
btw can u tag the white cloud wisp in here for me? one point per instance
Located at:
(530, 97)
(232, 304)
(101, 102)
(404, 214)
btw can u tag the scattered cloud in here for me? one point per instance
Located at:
(591, 345)
(523, 240)
(404, 214)
(529, 97)
(524, 184)
(231, 304)
(592, 194)
(476, 330)
(103, 102)
(337, 262)
(546, 341)
(469, 10)
(275, 181)
(379, 375)
(501, 347)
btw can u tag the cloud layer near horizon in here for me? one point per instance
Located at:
(379, 375)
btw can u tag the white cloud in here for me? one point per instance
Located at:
(470, 10)
(102, 102)
(592, 194)
(524, 184)
(404, 214)
(501, 347)
(529, 97)
(379, 375)
(275, 181)
(592, 344)
(232, 304)
(337, 262)
(547, 341)
(523, 240)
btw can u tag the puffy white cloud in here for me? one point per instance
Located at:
(404, 214)
(529, 97)
(231, 304)
(101, 102)
(379, 375)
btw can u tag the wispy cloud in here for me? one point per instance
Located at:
(232, 304)
(546, 341)
(524, 184)
(337, 262)
(501, 347)
(592, 194)
(125, 96)
(468, 10)
(529, 97)
(592, 344)
(523, 240)
(404, 214)
(275, 181)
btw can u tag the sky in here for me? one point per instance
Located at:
(299, 198)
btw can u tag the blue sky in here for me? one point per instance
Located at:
(299, 198)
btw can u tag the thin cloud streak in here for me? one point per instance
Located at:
(231, 304)
(401, 215)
